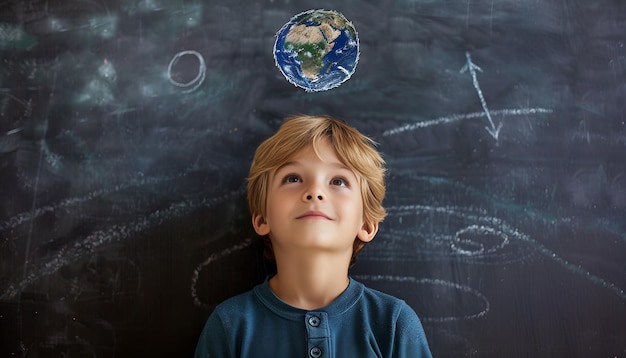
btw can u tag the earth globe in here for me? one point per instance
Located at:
(317, 50)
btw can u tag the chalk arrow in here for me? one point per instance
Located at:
(471, 67)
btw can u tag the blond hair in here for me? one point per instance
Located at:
(353, 149)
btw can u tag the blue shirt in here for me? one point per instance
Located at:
(361, 322)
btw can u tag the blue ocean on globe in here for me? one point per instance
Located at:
(317, 50)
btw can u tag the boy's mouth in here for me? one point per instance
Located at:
(313, 214)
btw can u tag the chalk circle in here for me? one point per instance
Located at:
(195, 82)
(463, 243)
(442, 284)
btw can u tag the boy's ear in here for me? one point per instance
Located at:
(261, 226)
(367, 232)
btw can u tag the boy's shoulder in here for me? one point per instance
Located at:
(381, 297)
(384, 302)
(237, 304)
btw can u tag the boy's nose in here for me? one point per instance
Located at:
(313, 192)
(310, 197)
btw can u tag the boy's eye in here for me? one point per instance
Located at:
(339, 182)
(291, 179)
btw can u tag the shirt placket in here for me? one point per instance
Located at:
(318, 335)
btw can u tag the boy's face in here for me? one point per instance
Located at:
(314, 204)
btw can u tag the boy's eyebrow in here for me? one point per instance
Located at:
(339, 165)
(284, 165)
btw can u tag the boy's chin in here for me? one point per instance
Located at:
(324, 246)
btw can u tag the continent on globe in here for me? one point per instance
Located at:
(317, 50)
(311, 44)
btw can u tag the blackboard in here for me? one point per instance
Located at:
(127, 128)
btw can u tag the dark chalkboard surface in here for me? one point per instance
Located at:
(127, 128)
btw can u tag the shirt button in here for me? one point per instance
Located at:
(315, 352)
(314, 321)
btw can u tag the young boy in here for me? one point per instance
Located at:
(315, 193)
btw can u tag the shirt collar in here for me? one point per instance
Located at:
(340, 305)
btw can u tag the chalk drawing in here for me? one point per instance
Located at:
(115, 233)
(194, 83)
(460, 244)
(461, 240)
(138, 181)
(34, 200)
(484, 309)
(213, 257)
(472, 68)
(459, 117)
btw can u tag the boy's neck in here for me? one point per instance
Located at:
(312, 282)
